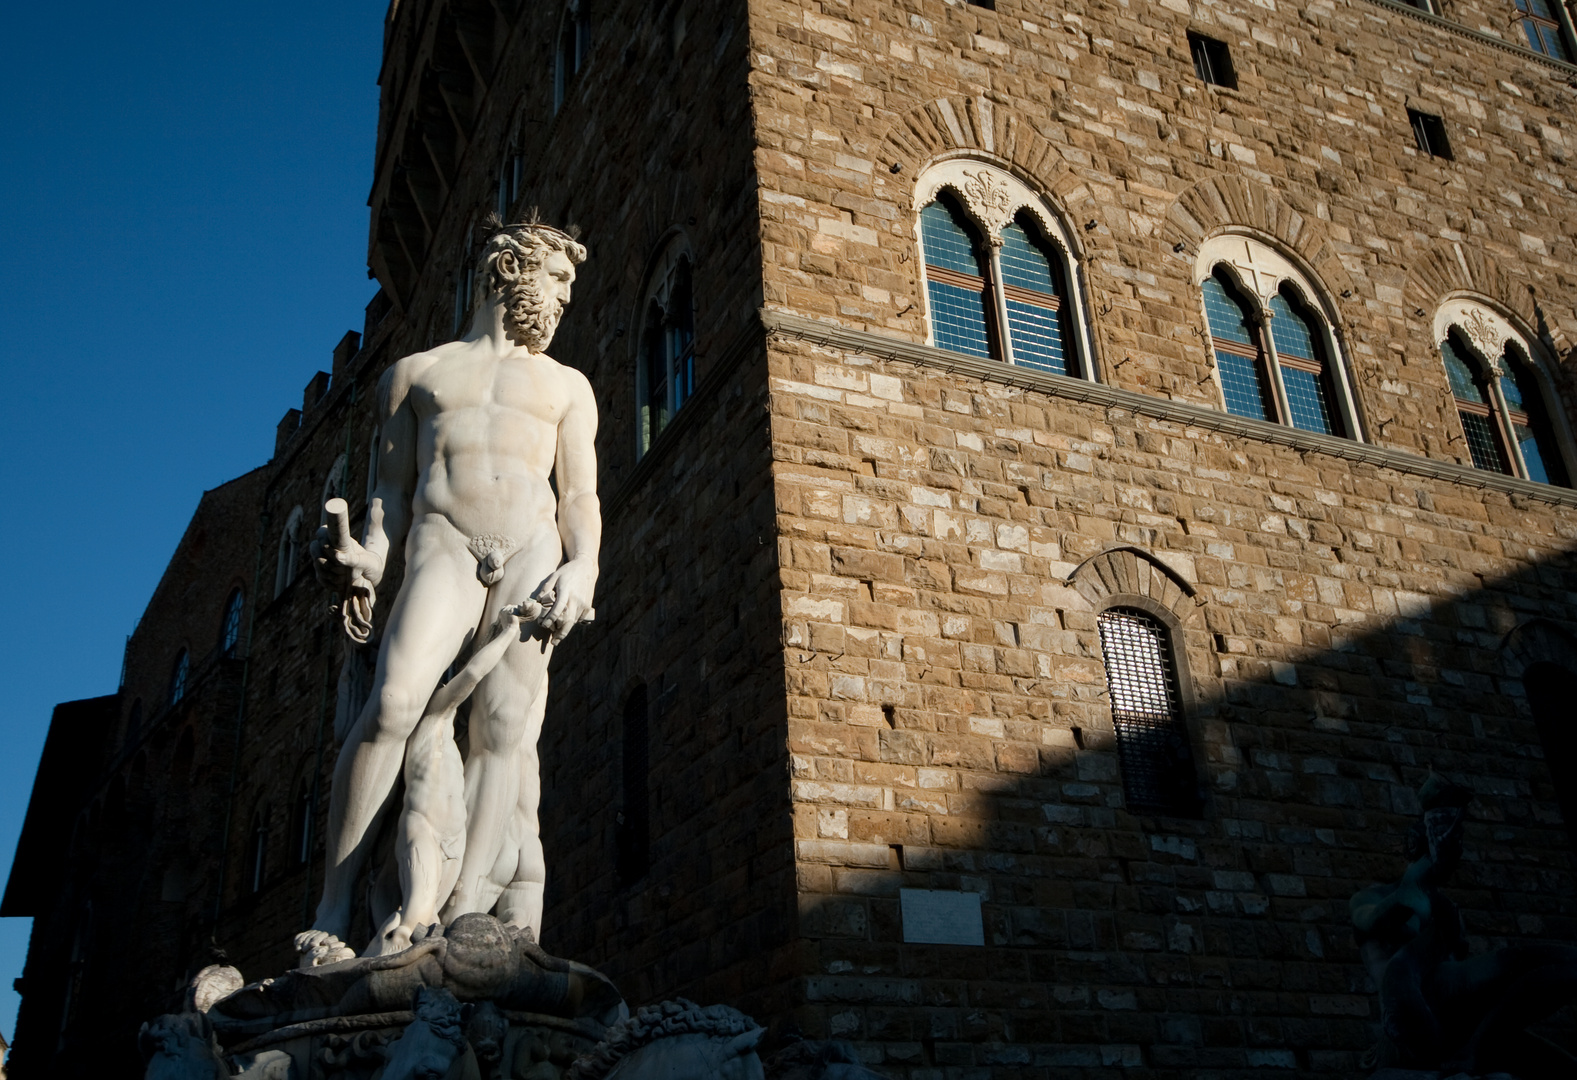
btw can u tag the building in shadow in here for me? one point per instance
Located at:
(1069, 476)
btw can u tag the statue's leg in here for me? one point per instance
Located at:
(521, 901)
(501, 709)
(438, 605)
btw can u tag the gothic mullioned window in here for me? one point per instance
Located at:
(178, 677)
(1274, 352)
(1500, 400)
(230, 635)
(665, 362)
(1541, 25)
(286, 565)
(1000, 274)
(1153, 749)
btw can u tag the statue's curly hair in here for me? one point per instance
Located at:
(653, 1022)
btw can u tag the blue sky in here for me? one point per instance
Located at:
(183, 230)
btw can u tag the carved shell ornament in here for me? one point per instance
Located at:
(990, 200)
(1489, 339)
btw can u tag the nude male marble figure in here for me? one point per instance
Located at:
(476, 436)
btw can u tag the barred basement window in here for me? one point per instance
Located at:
(1212, 61)
(1271, 341)
(1542, 27)
(999, 272)
(1152, 739)
(1506, 419)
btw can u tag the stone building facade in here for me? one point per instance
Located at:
(861, 618)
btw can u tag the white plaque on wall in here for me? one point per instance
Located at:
(939, 917)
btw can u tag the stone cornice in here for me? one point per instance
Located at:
(1197, 416)
(1476, 35)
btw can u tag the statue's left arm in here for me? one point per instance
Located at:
(568, 591)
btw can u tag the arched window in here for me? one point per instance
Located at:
(230, 636)
(1153, 749)
(1542, 26)
(289, 552)
(1000, 273)
(1495, 384)
(1275, 353)
(574, 42)
(178, 677)
(373, 449)
(665, 365)
(509, 183)
(634, 828)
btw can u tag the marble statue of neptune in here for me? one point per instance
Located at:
(487, 474)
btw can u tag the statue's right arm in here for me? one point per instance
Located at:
(389, 514)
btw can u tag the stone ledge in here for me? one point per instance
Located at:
(882, 347)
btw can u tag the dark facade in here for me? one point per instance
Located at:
(863, 597)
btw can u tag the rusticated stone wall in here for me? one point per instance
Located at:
(946, 542)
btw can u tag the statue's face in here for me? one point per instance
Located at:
(535, 299)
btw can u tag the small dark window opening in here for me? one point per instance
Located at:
(634, 829)
(1212, 61)
(1153, 748)
(989, 5)
(1429, 132)
(1549, 696)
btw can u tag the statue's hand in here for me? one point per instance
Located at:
(337, 559)
(567, 595)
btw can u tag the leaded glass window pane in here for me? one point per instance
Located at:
(1530, 422)
(958, 319)
(947, 240)
(1481, 442)
(1307, 401)
(1228, 316)
(1035, 302)
(1297, 339)
(1152, 741)
(1462, 371)
(955, 286)
(1241, 385)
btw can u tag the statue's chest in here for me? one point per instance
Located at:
(515, 388)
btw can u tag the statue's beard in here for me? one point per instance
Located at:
(531, 321)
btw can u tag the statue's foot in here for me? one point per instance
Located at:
(319, 947)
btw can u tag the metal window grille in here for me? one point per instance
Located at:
(1152, 740)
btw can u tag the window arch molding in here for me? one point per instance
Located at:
(1308, 392)
(289, 556)
(664, 342)
(995, 200)
(1489, 332)
(1142, 609)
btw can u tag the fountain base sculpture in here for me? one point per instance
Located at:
(1445, 1014)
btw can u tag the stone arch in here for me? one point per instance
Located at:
(1449, 268)
(980, 127)
(1538, 641)
(1134, 577)
(1222, 202)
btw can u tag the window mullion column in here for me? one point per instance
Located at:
(1503, 424)
(1267, 348)
(999, 300)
